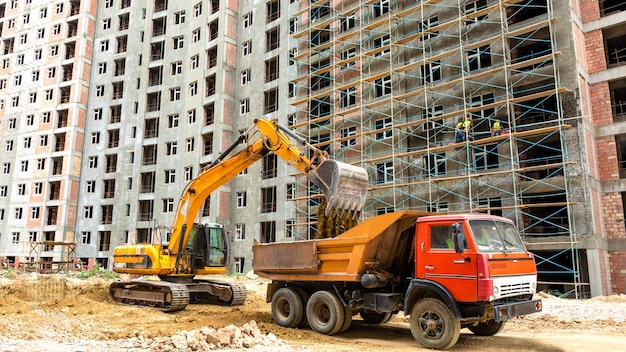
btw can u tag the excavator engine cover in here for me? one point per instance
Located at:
(344, 185)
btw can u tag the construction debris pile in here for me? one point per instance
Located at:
(206, 338)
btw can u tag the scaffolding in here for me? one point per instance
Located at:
(383, 84)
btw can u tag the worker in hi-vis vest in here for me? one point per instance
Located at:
(496, 129)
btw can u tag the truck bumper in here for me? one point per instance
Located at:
(503, 312)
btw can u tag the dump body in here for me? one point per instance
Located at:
(379, 243)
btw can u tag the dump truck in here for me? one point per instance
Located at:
(202, 249)
(445, 272)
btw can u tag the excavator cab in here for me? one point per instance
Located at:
(207, 246)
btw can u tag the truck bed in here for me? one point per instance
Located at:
(383, 243)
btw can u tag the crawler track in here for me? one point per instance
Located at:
(166, 296)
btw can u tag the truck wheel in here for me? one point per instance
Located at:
(347, 320)
(489, 328)
(433, 325)
(374, 317)
(325, 312)
(287, 309)
(305, 298)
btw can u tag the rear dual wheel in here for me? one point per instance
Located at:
(326, 314)
(287, 307)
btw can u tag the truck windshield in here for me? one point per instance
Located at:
(496, 236)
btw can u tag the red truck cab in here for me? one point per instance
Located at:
(479, 266)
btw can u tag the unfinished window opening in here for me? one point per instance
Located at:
(149, 156)
(270, 166)
(212, 57)
(59, 142)
(206, 207)
(146, 210)
(270, 101)
(104, 243)
(320, 75)
(272, 39)
(213, 30)
(151, 128)
(615, 45)
(541, 109)
(62, 116)
(109, 189)
(55, 190)
(536, 45)
(485, 156)
(159, 26)
(273, 11)
(144, 235)
(268, 231)
(160, 5)
(111, 163)
(320, 107)
(490, 205)
(210, 86)
(57, 165)
(70, 50)
(318, 12)
(113, 138)
(608, 7)
(435, 164)
(545, 214)
(209, 114)
(268, 199)
(526, 9)
(620, 141)
(540, 158)
(271, 69)
(155, 76)
(147, 182)
(320, 37)
(207, 143)
(157, 51)
(116, 114)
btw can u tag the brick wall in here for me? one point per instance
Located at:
(589, 10)
(618, 272)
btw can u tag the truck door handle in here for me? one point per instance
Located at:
(429, 267)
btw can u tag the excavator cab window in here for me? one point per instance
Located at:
(207, 245)
(217, 246)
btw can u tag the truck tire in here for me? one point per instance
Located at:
(325, 313)
(287, 308)
(347, 320)
(374, 317)
(433, 325)
(489, 328)
(305, 298)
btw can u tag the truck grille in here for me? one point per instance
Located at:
(514, 289)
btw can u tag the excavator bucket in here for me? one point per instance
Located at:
(344, 185)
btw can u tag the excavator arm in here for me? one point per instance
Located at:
(344, 185)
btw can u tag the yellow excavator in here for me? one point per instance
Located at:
(202, 249)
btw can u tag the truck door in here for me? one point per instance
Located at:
(437, 261)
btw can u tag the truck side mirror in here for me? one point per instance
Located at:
(458, 239)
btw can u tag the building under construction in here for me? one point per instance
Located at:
(506, 107)
(512, 107)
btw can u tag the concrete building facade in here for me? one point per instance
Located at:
(108, 108)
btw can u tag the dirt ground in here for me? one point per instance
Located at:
(56, 313)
